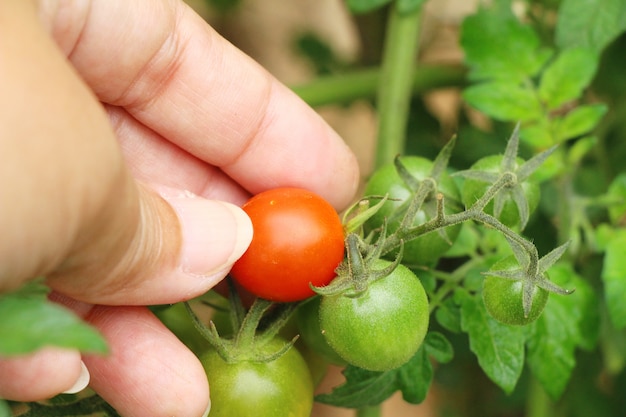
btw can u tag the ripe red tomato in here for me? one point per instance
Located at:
(298, 240)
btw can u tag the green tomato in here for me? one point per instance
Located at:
(382, 328)
(473, 189)
(425, 249)
(503, 297)
(280, 388)
(308, 322)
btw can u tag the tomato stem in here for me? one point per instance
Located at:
(394, 88)
(363, 83)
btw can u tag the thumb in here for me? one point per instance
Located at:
(154, 246)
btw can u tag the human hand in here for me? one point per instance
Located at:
(128, 128)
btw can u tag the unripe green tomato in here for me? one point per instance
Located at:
(473, 189)
(425, 249)
(280, 388)
(503, 297)
(382, 328)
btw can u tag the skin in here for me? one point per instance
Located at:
(131, 131)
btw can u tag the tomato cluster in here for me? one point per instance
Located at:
(368, 309)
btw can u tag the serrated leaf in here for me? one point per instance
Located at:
(362, 388)
(590, 24)
(504, 101)
(538, 135)
(614, 278)
(567, 76)
(579, 121)
(498, 347)
(448, 315)
(498, 46)
(439, 347)
(568, 322)
(30, 322)
(414, 378)
(368, 388)
(365, 6)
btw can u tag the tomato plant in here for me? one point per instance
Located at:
(547, 75)
(276, 388)
(298, 241)
(426, 249)
(381, 328)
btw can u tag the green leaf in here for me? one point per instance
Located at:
(365, 6)
(504, 101)
(367, 388)
(414, 380)
(567, 76)
(579, 121)
(498, 347)
(448, 315)
(568, 322)
(362, 388)
(614, 278)
(439, 347)
(538, 134)
(497, 46)
(590, 24)
(30, 322)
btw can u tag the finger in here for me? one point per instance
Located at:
(180, 78)
(40, 375)
(153, 159)
(149, 371)
(77, 216)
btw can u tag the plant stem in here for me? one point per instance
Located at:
(394, 89)
(363, 84)
(394, 96)
(538, 404)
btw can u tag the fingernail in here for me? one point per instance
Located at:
(215, 233)
(82, 381)
(208, 410)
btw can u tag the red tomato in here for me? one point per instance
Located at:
(298, 240)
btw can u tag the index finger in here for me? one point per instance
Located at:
(175, 74)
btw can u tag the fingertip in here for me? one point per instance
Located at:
(40, 375)
(214, 234)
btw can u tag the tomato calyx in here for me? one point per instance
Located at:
(248, 343)
(507, 183)
(532, 274)
(355, 273)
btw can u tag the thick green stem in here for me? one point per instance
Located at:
(538, 404)
(394, 89)
(394, 96)
(363, 84)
